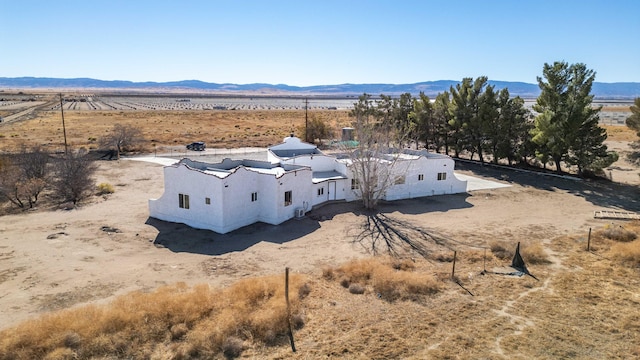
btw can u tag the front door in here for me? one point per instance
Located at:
(331, 191)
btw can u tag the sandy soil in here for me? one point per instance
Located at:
(51, 260)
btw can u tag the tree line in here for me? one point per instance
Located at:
(475, 119)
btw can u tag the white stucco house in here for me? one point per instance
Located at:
(296, 177)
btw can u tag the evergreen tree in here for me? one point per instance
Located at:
(510, 133)
(470, 115)
(633, 121)
(423, 119)
(566, 128)
(442, 116)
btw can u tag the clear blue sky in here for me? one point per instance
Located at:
(317, 42)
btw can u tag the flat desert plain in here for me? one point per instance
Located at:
(56, 259)
(51, 260)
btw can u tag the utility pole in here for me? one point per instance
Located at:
(64, 130)
(306, 120)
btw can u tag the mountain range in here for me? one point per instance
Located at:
(618, 90)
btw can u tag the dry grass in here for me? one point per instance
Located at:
(104, 189)
(585, 307)
(627, 253)
(190, 322)
(219, 129)
(532, 253)
(625, 247)
(618, 232)
(389, 279)
(619, 133)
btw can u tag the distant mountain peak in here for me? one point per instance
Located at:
(618, 90)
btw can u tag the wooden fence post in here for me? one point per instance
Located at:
(453, 271)
(484, 261)
(286, 296)
(589, 241)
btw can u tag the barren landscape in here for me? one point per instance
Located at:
(582, 305)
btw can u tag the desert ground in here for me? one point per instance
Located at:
(53, 259)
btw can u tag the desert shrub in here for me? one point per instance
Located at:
(627, 253)
(359, 270)
(388, 282)
(74, 180)
(442, 256)
(178, 331)
(304, 291)
(72, 340)
(232, 347)
(356, 289)
(534, 254)
(398, 285)
(105, 188)
(618, 233)
(403, 264)
(297, 321)
(474, 256)
(328, 273)
(500, 250)
(61, 354)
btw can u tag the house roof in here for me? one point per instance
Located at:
(227, 167)
(292, 146)
(320, 176)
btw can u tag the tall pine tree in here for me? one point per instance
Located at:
(566, 129)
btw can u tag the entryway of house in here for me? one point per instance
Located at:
(331, 191)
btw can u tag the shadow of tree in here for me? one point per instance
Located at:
(380, 233)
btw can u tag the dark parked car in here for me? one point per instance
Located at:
(197, 146)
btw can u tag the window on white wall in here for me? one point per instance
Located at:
(288, 198)
(183, 201)
(254, 196)
(207, 201)
(420, 177)
(320, 191)
(442, 176)
(355, 184)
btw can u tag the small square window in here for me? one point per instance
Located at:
(254, 196)
(355, 184)
(420, 177)
(320, 191)
(207, 201)
(442, 176)
(288, 198)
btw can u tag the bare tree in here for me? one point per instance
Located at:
(24, 176)
(373, 160)
(74, 181)
(9, 180)
(122, 138)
